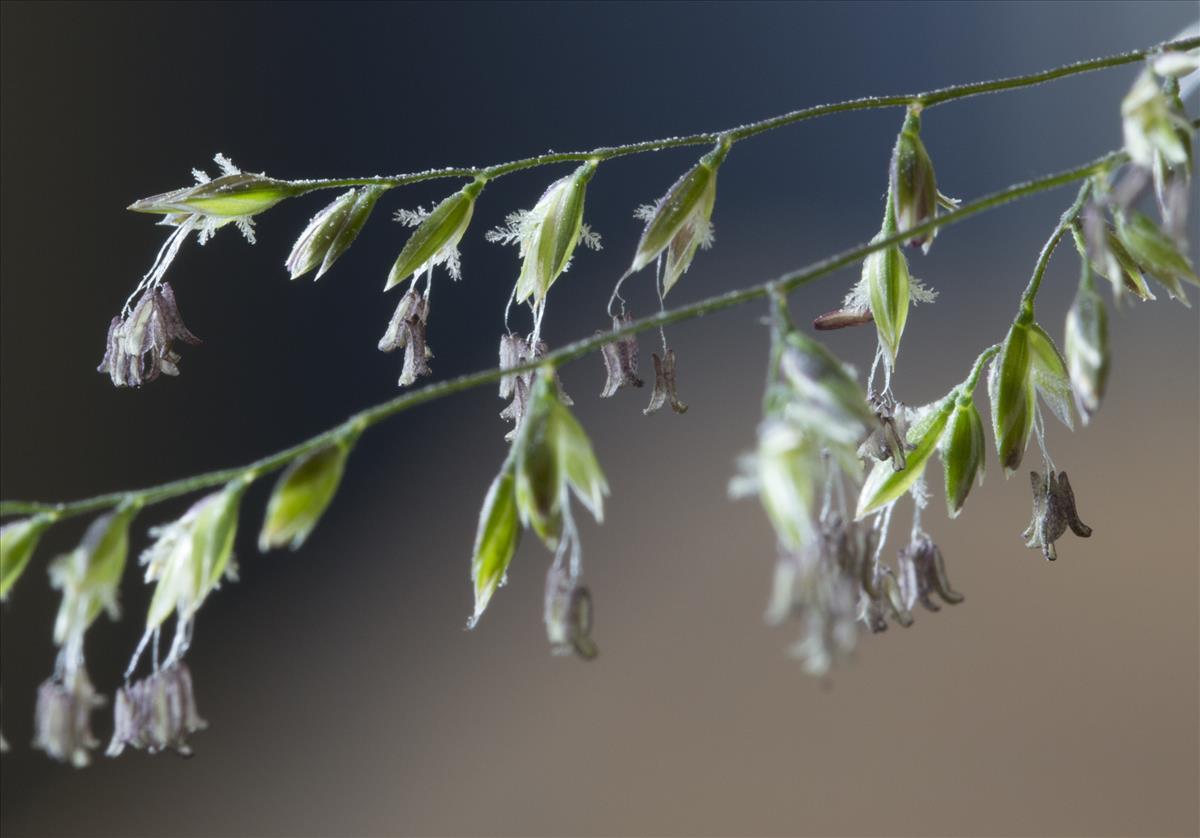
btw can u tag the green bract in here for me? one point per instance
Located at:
(1152, 125)
(231, 196)
(885, 275)
(962, 451)
(1049, 373)
(814, 409)
(579, 464)
(552, 454)
(1086, 345)
(555, 226)
(192, 554)
(539, 480)
(824, 396)
(1156, 254)
(18, 540)
(913, 185)
(551, 457)
(437, 235)
(495, 539)
(90, 575)
(1176, 64)
(1112, 261)
(331, 231)
(786, 465)
(301, 496)
(681, 220)
(884, 484)
(1010, 390)
(212, 538)
(1029, 365)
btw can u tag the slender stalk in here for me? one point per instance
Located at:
(925, 100)
(781, 324)
(1060, 230)
(968, 386)
(373, 415)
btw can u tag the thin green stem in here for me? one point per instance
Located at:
(373, 415)
(968, 386)
(962, 91)
(1064, 224)
(925, 100)
(781, 324)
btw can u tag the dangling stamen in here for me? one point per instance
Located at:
(662, 304)
(177, 641)
(428, 283)
(616, 294)
(571, 534)
(137, 653)
(162, 261)
(887, 376)
(883, 520)
(827, 492)
(508, 307)
(920, 495)
(1039, 430)
(539, 311)
(154, 649)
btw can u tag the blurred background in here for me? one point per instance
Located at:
(344, 695)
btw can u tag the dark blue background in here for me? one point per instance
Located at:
(344, 696)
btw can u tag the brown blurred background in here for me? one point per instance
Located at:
(343, 693)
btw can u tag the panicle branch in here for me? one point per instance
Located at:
(823, 439)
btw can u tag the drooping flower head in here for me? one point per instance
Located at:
(141, 344)
(883, 598)
(407, 331)
(822, 587)
(88, 578)
(1053, 512)
(138, 348)
(620, 359)
(156, 713)
(664, 385)
(889, 439)
(568, 614)
(62, 725)
(516, 350)
(923, 573)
